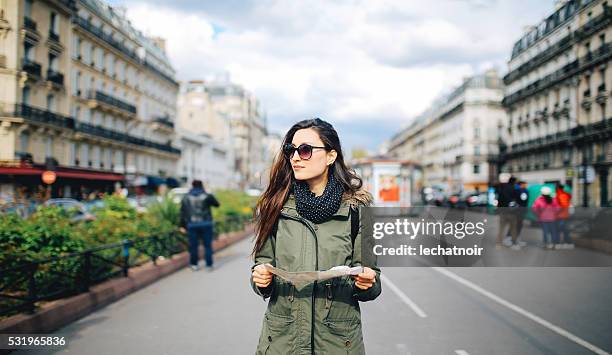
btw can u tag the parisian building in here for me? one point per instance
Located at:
(206, 139)
(559, 123)
(455, 140)
(86, 95)
(227, 111)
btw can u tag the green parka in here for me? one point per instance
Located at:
(324, 317)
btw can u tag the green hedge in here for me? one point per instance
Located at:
(50, 233)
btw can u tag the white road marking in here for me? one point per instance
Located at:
(522, 311)
(461, 352)
(403, 296)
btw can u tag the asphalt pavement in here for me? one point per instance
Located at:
(422, 310)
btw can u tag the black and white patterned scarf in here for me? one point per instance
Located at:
(318, 209)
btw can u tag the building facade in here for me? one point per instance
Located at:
(204, 158)
(86, 94)
(228, 112)
(455, 140)
(557, 97)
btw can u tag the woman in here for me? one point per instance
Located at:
(546, 209)
(303, 224)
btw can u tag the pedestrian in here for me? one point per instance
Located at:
(523, 201)
(196, 220)
(564, 199)
(507, 202)
(303, 221)
(546, 208)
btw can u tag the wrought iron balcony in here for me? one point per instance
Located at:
(165, 121)
(29, 23)
(54, 36)
(112, 101)
(122, 137)
(55, 77)
(43, 116)
(31, 67)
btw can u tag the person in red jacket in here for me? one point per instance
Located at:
(564, 199)
(546, 209)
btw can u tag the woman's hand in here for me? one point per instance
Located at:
(366, 279)
(261, 276)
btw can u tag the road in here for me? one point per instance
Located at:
(421, 311)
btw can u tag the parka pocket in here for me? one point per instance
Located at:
(277, 335)
(344, 336)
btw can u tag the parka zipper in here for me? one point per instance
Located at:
(314, 285)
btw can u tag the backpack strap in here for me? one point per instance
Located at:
(354, 224)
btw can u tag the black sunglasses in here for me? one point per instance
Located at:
(304, 150)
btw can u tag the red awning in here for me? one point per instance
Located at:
(66, 173)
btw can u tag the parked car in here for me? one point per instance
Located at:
(433, 196)
(476, 199)
(78, 211)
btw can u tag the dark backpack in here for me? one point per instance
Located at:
(354, 212)
(199, 212)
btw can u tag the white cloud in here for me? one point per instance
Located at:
(372, 61)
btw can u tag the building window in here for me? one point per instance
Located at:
(54, 24)
(99, 58)
(76, 85)
(52, 62)
(476, 169)
(477, 150)
(28, 51)
(49, 147)
(50, 103)
(24, 142)
(74, 159)
(77, 47)
(87, 115)
(84, 156)
(87, 56)
(96, 156)
(25, 95)
(27, 8)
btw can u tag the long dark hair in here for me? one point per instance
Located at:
(272, 200)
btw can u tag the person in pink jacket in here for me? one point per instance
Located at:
(546, 209)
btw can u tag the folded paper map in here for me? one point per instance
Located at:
(302, 278)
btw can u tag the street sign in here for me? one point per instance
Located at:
(48, 177)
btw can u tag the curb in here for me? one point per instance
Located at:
(59, 313)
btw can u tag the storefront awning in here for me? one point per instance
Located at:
(66, 173)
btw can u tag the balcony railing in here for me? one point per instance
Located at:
(55, 77)
(165, 120)
(587, 30)
(29, 23)
(113, 101)
(54, 36)
(600, 55)
(122, 137)
(31, 67)
(43, 116)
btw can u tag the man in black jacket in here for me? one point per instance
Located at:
(508, 206)
(196, 221)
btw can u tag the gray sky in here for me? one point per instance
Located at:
(368, 67)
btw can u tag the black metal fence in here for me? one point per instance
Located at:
(25, 284)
